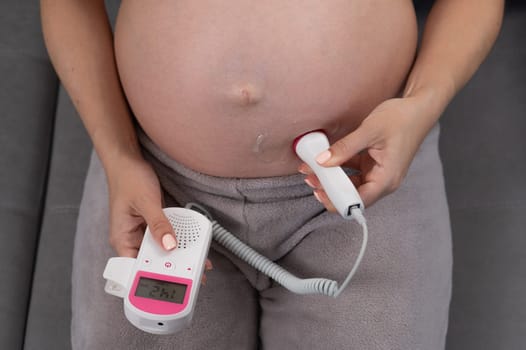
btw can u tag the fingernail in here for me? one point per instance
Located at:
(317, 196)
(323, 157)
(168, 241)
(309, 182)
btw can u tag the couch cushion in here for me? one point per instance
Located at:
(48, 325)
(28, 108)
(20, 33)
(27, 96)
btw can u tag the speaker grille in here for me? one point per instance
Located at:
(187, 230)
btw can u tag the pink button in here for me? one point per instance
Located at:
(168, 265)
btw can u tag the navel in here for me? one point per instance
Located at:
(246, 94)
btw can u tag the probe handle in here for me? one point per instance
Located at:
(335, 182)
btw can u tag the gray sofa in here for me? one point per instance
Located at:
(44, 154)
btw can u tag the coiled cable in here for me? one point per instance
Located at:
(261, 263)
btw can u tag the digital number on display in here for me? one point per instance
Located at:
(161, 290)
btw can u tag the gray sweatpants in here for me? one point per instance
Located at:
(398, 299)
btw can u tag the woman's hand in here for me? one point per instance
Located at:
(136, 202)
(381, 148)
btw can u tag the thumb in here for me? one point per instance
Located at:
(161, 229)
(345, 148)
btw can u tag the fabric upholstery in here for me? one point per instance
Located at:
(43, 159)
(51, 292)
(27, 97)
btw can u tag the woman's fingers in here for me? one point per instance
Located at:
(161, 229)
(343, 150)
(208, 267)
(304, 169)
(322, 197)
(129, 252)
(126, 232)
(369, 192)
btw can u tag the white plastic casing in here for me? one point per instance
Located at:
(334, 181)
(167, 281)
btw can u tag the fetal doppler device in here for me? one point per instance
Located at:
(160, 287)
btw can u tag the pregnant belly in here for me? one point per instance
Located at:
(224, 87)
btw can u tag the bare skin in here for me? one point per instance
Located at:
(224, 87)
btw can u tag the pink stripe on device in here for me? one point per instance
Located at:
(152, 304)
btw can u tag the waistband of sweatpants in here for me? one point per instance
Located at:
(262, 189)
